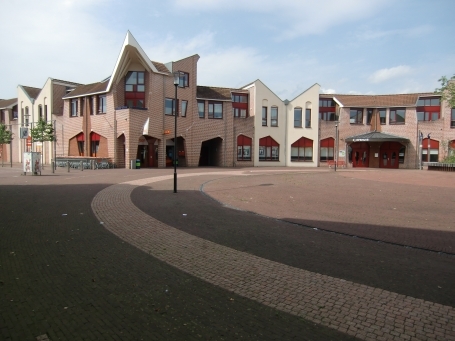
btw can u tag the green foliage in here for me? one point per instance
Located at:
(447, 90)
(42, 132)
(5, 135)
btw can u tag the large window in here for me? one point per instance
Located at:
(307, 118)
(397, 116)
(302, 150)
(184, 106)
(428, 109)
(243, 148)
(356, 116)
(369, 116)
(73, 108)
(40, 112)
(327, 148)
(102, 105)
(269, 149)
(327, 116)
(274, 117)
(298, 117)
(382, 116)
(135, 89)
(240, 105)
(215, 110)
(327, 109)
(264, 116)
(45, 112)
(94, 144)
(201, 108)
(430, 147)
(452, 120)
(169, 106)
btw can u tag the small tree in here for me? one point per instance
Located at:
(5, 137)
(42, 132)
(447, 90)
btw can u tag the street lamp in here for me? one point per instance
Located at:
(176, 84)
(335, 151)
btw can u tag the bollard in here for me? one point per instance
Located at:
(82, 165)
(68, 165)
(53, 169)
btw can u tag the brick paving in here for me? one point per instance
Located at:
(365, 312)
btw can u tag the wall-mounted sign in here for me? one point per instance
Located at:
(360, 140)
(341, 153)
(167, 132)
(376, 154)
(24, 132)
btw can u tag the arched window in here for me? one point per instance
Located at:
(40, 112)
(269, 149)
(302, 150)
(243, 148)
(297, 117)
(327, 147)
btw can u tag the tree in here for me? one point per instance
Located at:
(42, 132)
(5, 137)
(447, 90)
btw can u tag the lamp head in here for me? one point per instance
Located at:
(176, 78)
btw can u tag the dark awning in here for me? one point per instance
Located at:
(376, 137)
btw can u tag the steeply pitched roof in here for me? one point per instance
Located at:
(376, 136)
(377, 101)
(87, 89)
(31, 92)
(160, 67)
(215, 93)
(7, 103)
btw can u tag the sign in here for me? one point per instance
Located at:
(360, 140)
(167, 131)
(23, 132)
(29, 141)
(341, 153)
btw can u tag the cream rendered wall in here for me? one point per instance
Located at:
(263, 96)
(44, 98)
(23, 101)
(309, 99)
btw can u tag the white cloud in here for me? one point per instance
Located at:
(386, 74)
(327, 91)
(416, 31)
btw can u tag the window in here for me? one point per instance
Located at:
(135, 89)
(45, 112)
(302, 150)
(15, 114)
(94, 143)
(356, 116)
(401, 154)
(327, 109)
(369, 115)
(243, 148)
(307, 118)
(298, 117)
(328, 102)
(327, 148)
(452, 119)
(184, 79)
(215, 110)
(201, 108)
(80, 143)
(428, 109)
(73, 108)
(264, 116)
(169, 106)
(269, 149)
(397, 116)
(327, 116)
(274, 117)
(40, 112)
(382, 116)
(102, 106)
(240, 105)
(430, 147)
(184, 106)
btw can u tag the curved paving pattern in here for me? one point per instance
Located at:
(359, 310)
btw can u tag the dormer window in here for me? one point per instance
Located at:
(428, 109)
(184, 79)
(240, 105)
(135, 89)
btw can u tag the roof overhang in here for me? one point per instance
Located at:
(376, 137)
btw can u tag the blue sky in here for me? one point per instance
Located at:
(347, 46)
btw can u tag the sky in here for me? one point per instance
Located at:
(346, 46)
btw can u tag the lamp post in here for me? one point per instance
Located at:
(428, 151)
(176, 84)
(335, 151)
(420, 154)
(26, 116)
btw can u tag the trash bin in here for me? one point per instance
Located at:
(138, 164)
(133, 164)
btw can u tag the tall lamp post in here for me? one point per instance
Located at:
(336, 145)
(176, 84)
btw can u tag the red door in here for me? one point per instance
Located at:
(389, 155)
(360, 154)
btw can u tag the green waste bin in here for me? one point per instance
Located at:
(138, 164)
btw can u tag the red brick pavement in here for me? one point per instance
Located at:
(365, 312)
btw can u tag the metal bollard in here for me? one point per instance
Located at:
(53, 169)
(68, 165)
(82, 166)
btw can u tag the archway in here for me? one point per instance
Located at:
(211, 152)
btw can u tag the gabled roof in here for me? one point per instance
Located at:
(65, 82)
(376, 136)
(161, 67)
(377, 101)
(131, 52)
(31, 92)
(87, 89)
(215, 93)
(7, 103)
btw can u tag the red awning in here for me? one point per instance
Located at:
(94, 137)
(80, 137)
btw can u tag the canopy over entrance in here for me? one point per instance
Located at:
(376, 137)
